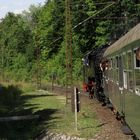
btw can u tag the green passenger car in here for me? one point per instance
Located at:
(122, 77)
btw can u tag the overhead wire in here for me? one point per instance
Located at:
(98, 12)
(92, 17)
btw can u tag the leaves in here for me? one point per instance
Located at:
(38, 35)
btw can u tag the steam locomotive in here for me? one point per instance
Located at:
(116, 69)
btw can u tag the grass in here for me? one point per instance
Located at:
(42, 100)
(24, 86)
(87, 123)
(54, 116)
(63, 119)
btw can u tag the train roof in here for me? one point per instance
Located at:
(131, 36)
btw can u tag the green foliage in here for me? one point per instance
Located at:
(15, 37)
(38, 36)
(102, 33)
(56, 66)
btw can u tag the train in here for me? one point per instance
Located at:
(116, 69)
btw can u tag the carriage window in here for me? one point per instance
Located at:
(117, 62)
(130, 80)
(125, 79)
(137, 63)
(124, 61)
(116, 76)
(129, 70)
(110, 68)
(137, 81)
(137, 77)
(111, 63)
(120, 71)
(125, 72)
(113, 74)
(137, 58)
(137, 70)
(129, 60)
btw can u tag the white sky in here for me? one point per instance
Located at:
(16, 6)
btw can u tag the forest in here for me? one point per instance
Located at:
(32, 44)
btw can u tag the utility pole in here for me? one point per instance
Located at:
(68, 33)
(2, 63)
(38, 68)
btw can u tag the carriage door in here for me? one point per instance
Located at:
(121, 83)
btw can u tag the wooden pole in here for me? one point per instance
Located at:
(75, 104)
(68, 39)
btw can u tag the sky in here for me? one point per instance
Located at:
(16, 6)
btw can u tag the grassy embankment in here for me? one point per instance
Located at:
(54, 116)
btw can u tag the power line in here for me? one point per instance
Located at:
(95, 3)
(94, 15)
(55, 41)
(108, 18)
(86, 20)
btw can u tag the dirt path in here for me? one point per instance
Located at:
(110, 127)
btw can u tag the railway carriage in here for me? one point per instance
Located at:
(120, 78)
